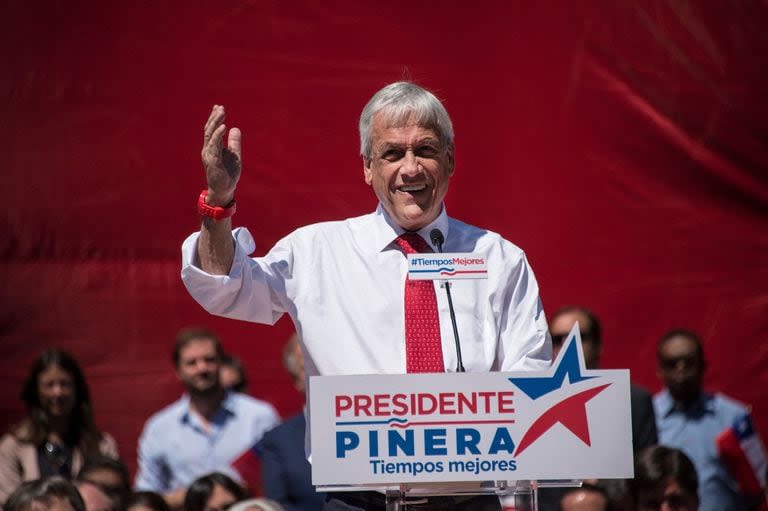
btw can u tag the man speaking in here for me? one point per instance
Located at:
(345, 283)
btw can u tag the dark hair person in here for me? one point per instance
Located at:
(213, 492)
(53, 494)
(110, 475)
(58, 434)
(664, 476)
(232, 374)
(146, 501)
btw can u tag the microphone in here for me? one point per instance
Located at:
(437, 240)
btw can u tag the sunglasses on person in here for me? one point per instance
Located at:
(669, 363)
(559, 339)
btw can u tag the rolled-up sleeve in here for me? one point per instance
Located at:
(253, 291)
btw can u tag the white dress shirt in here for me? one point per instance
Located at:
(342, 284)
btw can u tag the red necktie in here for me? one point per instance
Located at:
(423, 349)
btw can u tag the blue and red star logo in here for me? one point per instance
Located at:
(570, 411)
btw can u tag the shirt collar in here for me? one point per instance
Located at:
(228, 406)
(184, 408)
(704, 404)
(386, 230)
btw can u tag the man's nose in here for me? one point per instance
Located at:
(410, 164)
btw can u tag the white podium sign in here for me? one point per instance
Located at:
(563, 423)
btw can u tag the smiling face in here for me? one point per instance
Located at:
(56, 391)
(409, 170)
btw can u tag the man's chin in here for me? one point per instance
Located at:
(413, 218)
(205, 391)
(684, 393)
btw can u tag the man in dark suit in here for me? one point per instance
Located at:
(643, 420)
(286, 473)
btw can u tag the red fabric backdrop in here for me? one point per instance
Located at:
(622, 144)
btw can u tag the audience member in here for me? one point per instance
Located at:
(205, 430)
(641, 405)
(643, 421)
(96, 498)
(286, 473)
(617, 491)
(690, 419)
(58, 433)
(146, 501)
(109, 474)
(213, 492)
(257, 505)
(585, 498)
(49, 494)
(665, 480)
(232, 374)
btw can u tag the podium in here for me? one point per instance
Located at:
(416, 435)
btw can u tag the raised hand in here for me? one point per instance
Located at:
(222, 164)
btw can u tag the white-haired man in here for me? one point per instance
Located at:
(381, 321)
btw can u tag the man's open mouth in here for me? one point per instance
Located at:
(412, 188)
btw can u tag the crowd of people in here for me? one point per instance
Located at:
(56, 457)
(681, 459)
(191, 453)
(197, 454)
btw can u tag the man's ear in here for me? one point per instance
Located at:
(451, 161)
(367, 171)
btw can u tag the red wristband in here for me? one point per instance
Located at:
(215, 212)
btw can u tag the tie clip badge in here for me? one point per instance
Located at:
(449, 266)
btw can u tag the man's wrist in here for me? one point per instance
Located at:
(224, 199)
(209, 209)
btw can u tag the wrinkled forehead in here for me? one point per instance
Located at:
(400, 116)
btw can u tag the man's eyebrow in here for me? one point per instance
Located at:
(427, 140)
(396, 145)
